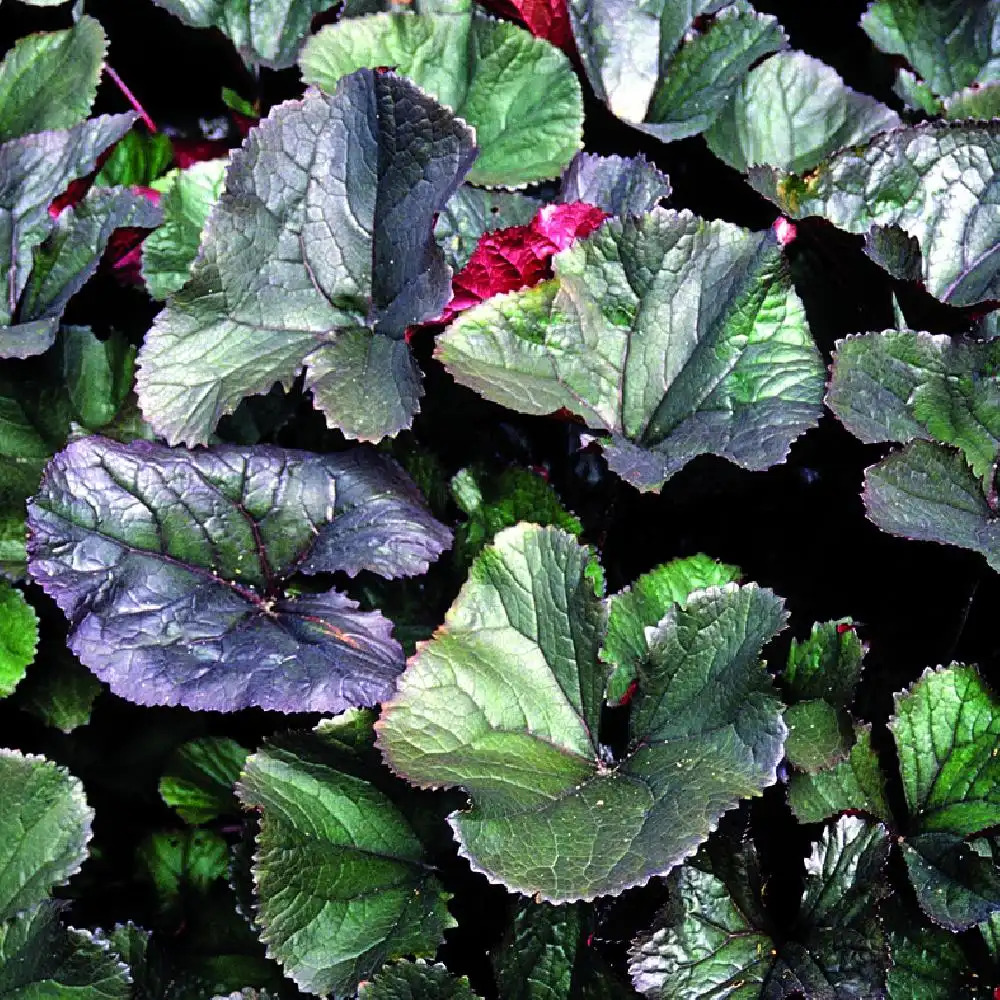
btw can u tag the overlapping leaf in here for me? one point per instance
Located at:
(518, 92)
(616, 185)
(264, 33)
(718, 949)
(18, 637)
(792, 111)
(172, 565)
(505, 701)
(676, 336)
(341, 877)
(939, 184)
(668, 68)
(199, 777)
(416, 981)
(318, 255)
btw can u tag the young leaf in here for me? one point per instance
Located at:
(169, 252)
(341, 878)
(855, 784)
(518, 92)
(48, 81)
(139, 159)
(905, 178)
(318, 255)
(616, 186)
(792, 111)
(416, 981)
(819, 734)
(657, 70)
(172, 567)
(902, 386)
(35, 169)
(18, 637)
(264, 34)
(928, 492)
(60, 692)
(616, 338)
(505, 701)
(548, 19)
(181, 862)
(642, 605)
(44, 830)
(199, 778)
(827, 665)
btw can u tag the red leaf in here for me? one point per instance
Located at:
(188, 151)
(123, 254)
(548, 19)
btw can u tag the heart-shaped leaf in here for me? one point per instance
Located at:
(519, 93)
(172, 566)
(905, 178)
(505, 701)
(318, 255)
(677, 337)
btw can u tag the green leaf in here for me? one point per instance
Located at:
(505, 701)
(60, 691)
(856, 784)
(792, 111)
(180, 863)
(827, 665)
(48, 81)
(138, 158)
(950, 43)
(341, 878)
(670, 68)
(35, 169)
(44, 830)
(169, 251)
(905, 178)
(955, 885)
(615, 338)
(416, 981)
(930, 964)
(39, 958)
(265, 34)
(293, 274)
(199, 777)
(18, 637)
(519, 92)
(495, 502)
(819, 734)
(928, 492)
(947, 727)
(915, 93)
(471, 212)
(642, 605)
(980, 103)
(903, 386)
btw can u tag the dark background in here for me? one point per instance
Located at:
(798, 528)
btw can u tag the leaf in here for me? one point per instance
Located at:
(905, 178)
(676, 336)
(495, 502)
(855, 784)
(182, 862)
(827, 665)
(199, 777)
(670, 69)
(341, 878)
(927, 492)
(44, 830)
(172, 567)
(519, 93)
(548, 19)
(139, 158)
(956, 887)
(980, 103)
(34, 169)
(642, 605)
(471, 212)
(505, 701)
(49, 80)
(946, 729)
(41, 958)
(929, 964)
(819, 735)
(950, 43)
(618, 186)
(905, 386)
(416, 981)
(792, 111)
(265, 34)
(60, 692)
(18, 637)
(169, 252)
(293, 274)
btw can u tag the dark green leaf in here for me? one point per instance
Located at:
(140, 158)
(180, 863)
(827, 665)
(199, 777)
(819, 735)
(60, 691)
(416, 981)
(929, 963)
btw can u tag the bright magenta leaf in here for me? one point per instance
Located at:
(548, 19)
